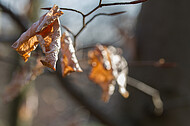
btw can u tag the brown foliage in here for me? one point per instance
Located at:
(108, 67)
(45, 31)
(69, 62)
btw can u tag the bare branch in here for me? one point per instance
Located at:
(100, 14)
(105, 14)
(68, 9)
(160, 63)
(93, 10)
(123, 3)
(158, 104)
(100, 2)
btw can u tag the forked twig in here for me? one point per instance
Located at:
(99, 14)
(158, 104)
(100, 5)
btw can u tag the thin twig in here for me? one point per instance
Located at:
(160, 63)
(105, 14)
(158, 104)
(68, 9)
(100, 14)
(92, 11)
(100, 2)
(123, 3)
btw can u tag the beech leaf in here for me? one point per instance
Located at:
(108, 68)
(101, 72)
(45, 31)
(69, 62)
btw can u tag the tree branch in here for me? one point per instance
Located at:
(92, 11)
(100, 14)
(68, 9)
(123, 3)
(158, 104)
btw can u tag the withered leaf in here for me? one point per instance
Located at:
(69, 62)
(108, 67)
(101, 72)
(120, 69)
(45, 31)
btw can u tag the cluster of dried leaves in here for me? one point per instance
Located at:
(108, 66)
(46, 32)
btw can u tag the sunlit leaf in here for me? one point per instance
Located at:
(101, 72)
(45, 31)
(108, 68)
(120, 69)
(69, 62)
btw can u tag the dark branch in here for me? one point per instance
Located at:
(105, 14)
(100, 14)
(96, 8)
(123, 3)
(159, 63)
(93, 10)
(100, 2)
(68, 9)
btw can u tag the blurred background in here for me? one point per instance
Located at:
(147, 32)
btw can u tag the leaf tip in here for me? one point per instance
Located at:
(47, 64)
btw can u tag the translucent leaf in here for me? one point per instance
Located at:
(108, 68)
(101, 72)
(120, 69)
(69, 62)
(45, 31)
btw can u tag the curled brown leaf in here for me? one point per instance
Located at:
(69, 62)
(45, 31)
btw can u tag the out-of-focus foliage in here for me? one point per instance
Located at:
(108, 68)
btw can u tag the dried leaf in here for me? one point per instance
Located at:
(69, 62)
(120, 69)
(101, 72)
(50, 44)
(108, 67)
(45, 31)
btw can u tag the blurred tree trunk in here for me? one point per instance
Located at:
(163, 32)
